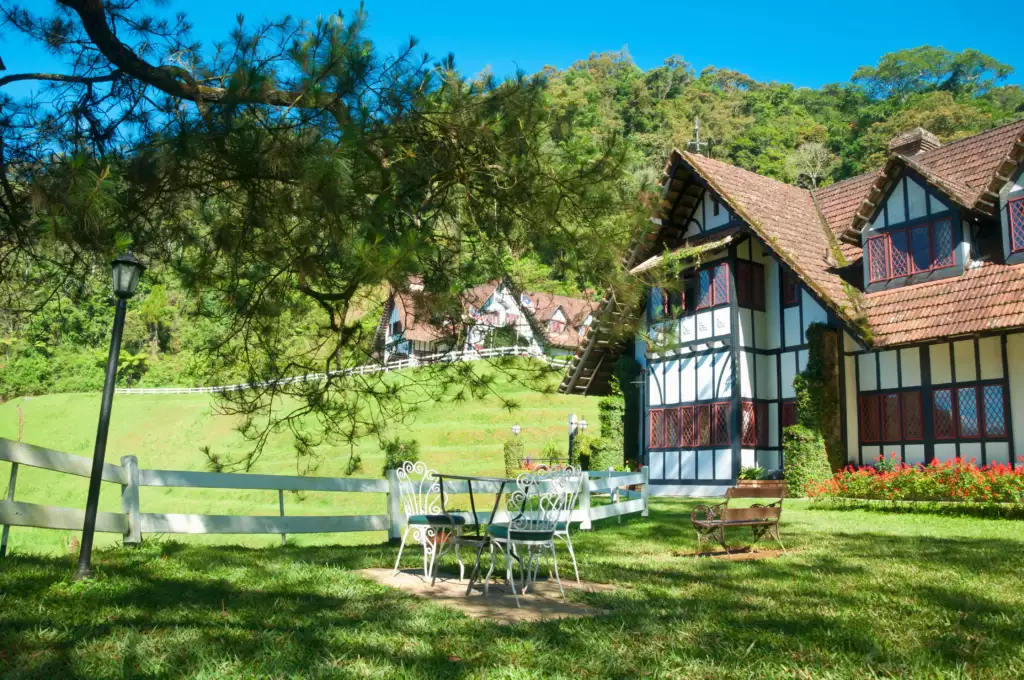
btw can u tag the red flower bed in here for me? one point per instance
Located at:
(954, 480)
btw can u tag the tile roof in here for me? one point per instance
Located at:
(972, 161)
(787, 219)
(970, 171)
(986, 297)
(838, 204)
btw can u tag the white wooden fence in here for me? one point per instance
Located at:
(132, 523)
(440, 357)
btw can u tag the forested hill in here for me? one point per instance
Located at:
(762, 126)
(799, 135)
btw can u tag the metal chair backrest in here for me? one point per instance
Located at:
(419, 488)
(543, 499)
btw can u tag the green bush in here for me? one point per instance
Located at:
(584, 448)
(752, 473)
(513, 455)
(806, 459)
(398, 451)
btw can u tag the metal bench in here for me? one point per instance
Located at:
(710, 521)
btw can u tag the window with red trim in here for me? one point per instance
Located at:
(995, 410)
(788, 413)
(1016, 210)
(913, 423)
(688, 417)
(970, 412)
(712, 286)
(943, 414)
(657, 428)
(969, 420)
(754, 424)
(890, 417)
(869, 429)
(720, 428)
(704, 425)
(790, 289)
(749, 424)
(671, 427)
(750, 285)
(901, 252)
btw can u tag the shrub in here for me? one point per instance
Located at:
(806, 459)
(513, 455)
(552, 451)
(398, 451)
(752, 473)
(583, 450)
(954, 480)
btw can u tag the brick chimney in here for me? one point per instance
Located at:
(913, 142)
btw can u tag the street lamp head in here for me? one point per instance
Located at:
(583, 424)
(515, 430)
(126, 269)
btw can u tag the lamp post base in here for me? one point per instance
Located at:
(83, 573)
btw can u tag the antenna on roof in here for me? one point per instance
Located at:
(697, 146)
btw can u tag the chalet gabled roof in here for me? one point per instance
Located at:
(970, 171)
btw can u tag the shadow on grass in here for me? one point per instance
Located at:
(849, 600)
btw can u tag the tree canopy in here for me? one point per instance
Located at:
(278, 180)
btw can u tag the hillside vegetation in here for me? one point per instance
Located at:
(799, 135)
(167, 431)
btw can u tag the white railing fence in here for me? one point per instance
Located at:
(132, 523)
(411, 362)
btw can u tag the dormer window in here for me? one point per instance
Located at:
(556, 326)
(1016, 210)
(898, 253)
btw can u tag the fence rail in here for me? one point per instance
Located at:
(412, 362)
(132, 523)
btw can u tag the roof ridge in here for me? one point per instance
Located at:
(968, 138)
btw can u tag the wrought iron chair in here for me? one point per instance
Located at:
(420, 493)
(535, 509)
(572, 479)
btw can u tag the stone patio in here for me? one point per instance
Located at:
(542, 602)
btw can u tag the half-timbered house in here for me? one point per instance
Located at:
(918, 268)
(542, 322)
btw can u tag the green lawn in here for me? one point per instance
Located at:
(861, 595)
(166, 432)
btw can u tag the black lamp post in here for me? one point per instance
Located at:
(127, 270)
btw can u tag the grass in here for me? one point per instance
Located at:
(167, 431)
(861, 594)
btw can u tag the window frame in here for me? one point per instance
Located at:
(752, 295)
(790, 289)
(979, 387)
(907, 232)
(880, 398)
(712, 271)
(1015, 247)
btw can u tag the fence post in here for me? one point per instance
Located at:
(280, 503)
(645, 490)
(394, 509)
(585, 525)
(614, 491)
(130, 500)
(10, 497)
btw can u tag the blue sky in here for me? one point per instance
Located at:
(807, 44)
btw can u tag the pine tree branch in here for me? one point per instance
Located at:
(61, 78)
(174, 80)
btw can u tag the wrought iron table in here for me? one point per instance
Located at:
(478, 540)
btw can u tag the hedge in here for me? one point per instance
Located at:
(806, 459)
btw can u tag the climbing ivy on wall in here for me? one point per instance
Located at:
(817, 391)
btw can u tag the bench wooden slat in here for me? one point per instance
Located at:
(756, 492)
(733, 514)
